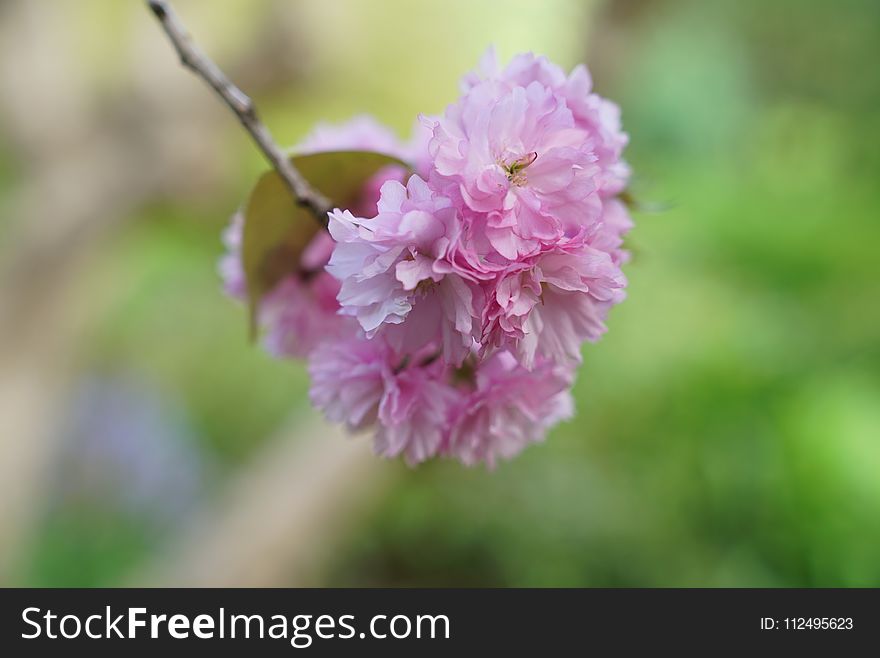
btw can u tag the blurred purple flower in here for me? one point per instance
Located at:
(124, 446)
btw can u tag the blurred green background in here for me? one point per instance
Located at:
(728, 425)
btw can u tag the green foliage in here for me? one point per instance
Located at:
(84, 547)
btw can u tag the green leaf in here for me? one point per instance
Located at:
(277, 230)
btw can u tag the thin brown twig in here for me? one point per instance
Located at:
(192, 57)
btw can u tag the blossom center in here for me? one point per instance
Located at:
(515, 170)
(424, 286)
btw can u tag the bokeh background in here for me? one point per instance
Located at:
(728, 426)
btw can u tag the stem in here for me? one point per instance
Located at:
(192, 57)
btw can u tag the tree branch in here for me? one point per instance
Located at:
(194, 59)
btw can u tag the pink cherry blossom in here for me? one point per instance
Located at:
(393, 272)
(414, 414)
(418, 407)
(446, 312)
(508, 409)
(348, 380)
(516, 154)
(366, 384)
(550, 306)
(599, 117)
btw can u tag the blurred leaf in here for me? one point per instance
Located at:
(276, 229)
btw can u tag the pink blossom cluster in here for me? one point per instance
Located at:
(446, 312)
